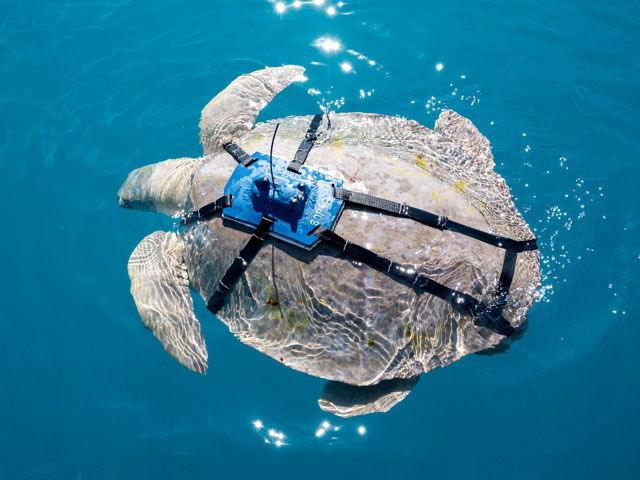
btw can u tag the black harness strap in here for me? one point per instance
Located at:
(306, 145)
(239, 154)
(432, 220)
(508, 269)
(492, 313)
(239, 265)
(209, 210)
(488, 316)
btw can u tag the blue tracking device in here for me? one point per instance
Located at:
(298, 202)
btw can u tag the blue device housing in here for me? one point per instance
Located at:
(299, 202)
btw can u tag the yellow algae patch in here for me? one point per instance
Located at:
(336, 142)
(436, 196)
(479, 206)
(460, 187)
(408, 332)
(423, 162)
(424, 339)
(292, 323)
(255, 140)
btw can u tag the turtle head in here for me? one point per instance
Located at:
(161, 187)
(137, 190)
(134, 192)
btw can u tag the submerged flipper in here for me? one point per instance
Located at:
(160, 288)
(232, 112)
(350, 400)
(161, 187)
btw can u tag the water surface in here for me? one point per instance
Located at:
(94, 89)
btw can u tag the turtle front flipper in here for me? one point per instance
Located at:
(232, 112)
(161, 187)
(347, 400)
(160, 288)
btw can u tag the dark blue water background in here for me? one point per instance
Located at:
(93, 89)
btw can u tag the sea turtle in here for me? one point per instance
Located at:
(322, 311)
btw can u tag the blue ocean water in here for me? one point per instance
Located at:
(93, 89)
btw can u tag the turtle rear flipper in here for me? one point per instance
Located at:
(160, 288)
(347, 400)
(232, 112)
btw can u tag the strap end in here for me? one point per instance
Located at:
(319, 231)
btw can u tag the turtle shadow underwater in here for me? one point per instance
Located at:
(333, 263)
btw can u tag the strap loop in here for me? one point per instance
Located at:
(307, 144)
(242, 157)
(209, 210)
